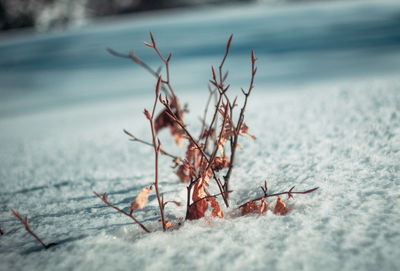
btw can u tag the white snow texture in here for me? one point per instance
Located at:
(340, 135)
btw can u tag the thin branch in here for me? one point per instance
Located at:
(203, 121)
(105, 200)
(135, 59)
(157, 148)
(240, 120)
(162, 151)
(289, 193)
(25, 222)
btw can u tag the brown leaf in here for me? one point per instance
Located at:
(185, 171)
(216, 208)
(208, 132)
(220, 163)
(141, 199)
(250, 207)
(245, 130)
(263, 206)
(168, 224)
(177, 203)
(200, 205)
(164, 120)
(280, 207)
(197, 210)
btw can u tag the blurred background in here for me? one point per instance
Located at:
(53, 52)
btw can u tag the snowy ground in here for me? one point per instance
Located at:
(341, 134)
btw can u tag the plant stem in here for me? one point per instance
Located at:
(157, 147)
(162, 151)
(240, 122)
(104, 199)
(25, 222)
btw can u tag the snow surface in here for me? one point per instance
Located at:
(340, 134)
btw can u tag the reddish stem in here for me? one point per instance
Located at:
(104, 199)
(25, 222)
(281, 193)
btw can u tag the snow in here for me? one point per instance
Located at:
(340, 134)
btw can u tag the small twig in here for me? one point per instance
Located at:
(240, 120)
(105, 200)
(25, 222)
(157, 148)
(203, 122)
(135, 59)
(166, 63)
(289, 193)
(162, 151)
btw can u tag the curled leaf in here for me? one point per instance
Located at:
(216, 208)
(197, 210)
(141, 199)
(245, 130)
(280, 207)
(263, 206)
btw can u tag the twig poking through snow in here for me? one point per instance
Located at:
(25, 222)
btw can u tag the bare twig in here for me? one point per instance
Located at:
(135, 59)
(166, 63)
(290, 193)
(157, 148)
(25, 222)
(162, 151)
(105, 200)
(240, 121)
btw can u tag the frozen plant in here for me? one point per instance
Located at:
(213, 151)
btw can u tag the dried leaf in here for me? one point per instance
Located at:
(197, 210)
(245, 130)
(164, 120)
(168, 224)
(250, 207)
(280, 207)
(220, 163)
(263, 206)
(147, 114)
(141, 199)
(185, 171)
(208, 132)
(216, 208)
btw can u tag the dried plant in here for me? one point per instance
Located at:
(25, 222)
(207, 156)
